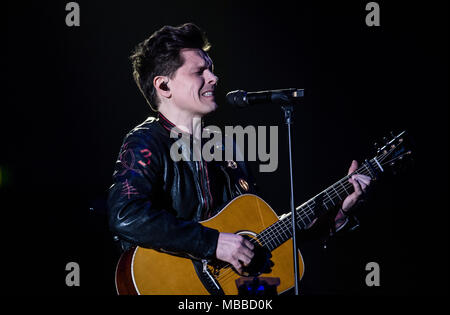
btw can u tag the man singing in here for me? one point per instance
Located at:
(156, 202)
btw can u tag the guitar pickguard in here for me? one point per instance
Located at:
(207, 278)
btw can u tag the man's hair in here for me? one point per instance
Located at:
(160, 55)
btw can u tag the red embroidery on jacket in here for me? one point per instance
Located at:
(127, 159)
(147, 154)
(128, 189)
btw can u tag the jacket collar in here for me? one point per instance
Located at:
(166, 123)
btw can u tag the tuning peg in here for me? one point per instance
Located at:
(385, 140)
(392, 134)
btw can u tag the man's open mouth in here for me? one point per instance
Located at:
(208, 93)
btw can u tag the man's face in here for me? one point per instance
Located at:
(193, 84)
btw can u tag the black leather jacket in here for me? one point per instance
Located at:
(156, 202)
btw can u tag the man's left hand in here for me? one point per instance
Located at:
(360, 184)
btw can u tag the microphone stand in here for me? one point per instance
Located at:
(288, 109)
(285, 98)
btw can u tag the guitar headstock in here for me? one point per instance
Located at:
(394, 154)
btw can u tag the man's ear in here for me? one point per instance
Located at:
(160, 84)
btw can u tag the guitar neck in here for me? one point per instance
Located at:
(281, 231)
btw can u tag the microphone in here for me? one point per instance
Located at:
(241, 98)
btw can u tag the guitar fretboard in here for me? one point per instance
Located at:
(281, 231)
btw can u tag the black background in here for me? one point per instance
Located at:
(71, 99)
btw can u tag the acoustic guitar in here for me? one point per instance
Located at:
(147, 271)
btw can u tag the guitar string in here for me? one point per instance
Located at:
(270, 243)
(337, 193)
(286, 226)
(331, 193)
(268, 237)
(282, 225)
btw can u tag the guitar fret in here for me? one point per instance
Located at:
(260, 239)
(300, 218)
(279, 232)
(368, 171)
(264, 237)
(287, 229)
(337, 194)
(276, 234)
(305, 220)
(284, 229)
(272, 239)
(331, 199)
(343, 186)
(278, 240)
(272, 236)
(311, 210)
(269, 242)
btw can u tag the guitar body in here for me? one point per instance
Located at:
(147, 271)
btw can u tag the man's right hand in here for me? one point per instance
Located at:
(235, 250)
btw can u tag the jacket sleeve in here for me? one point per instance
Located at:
(133, 216)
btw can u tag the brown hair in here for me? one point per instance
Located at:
(160, 55)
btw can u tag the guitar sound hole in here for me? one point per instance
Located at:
(260, 263)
